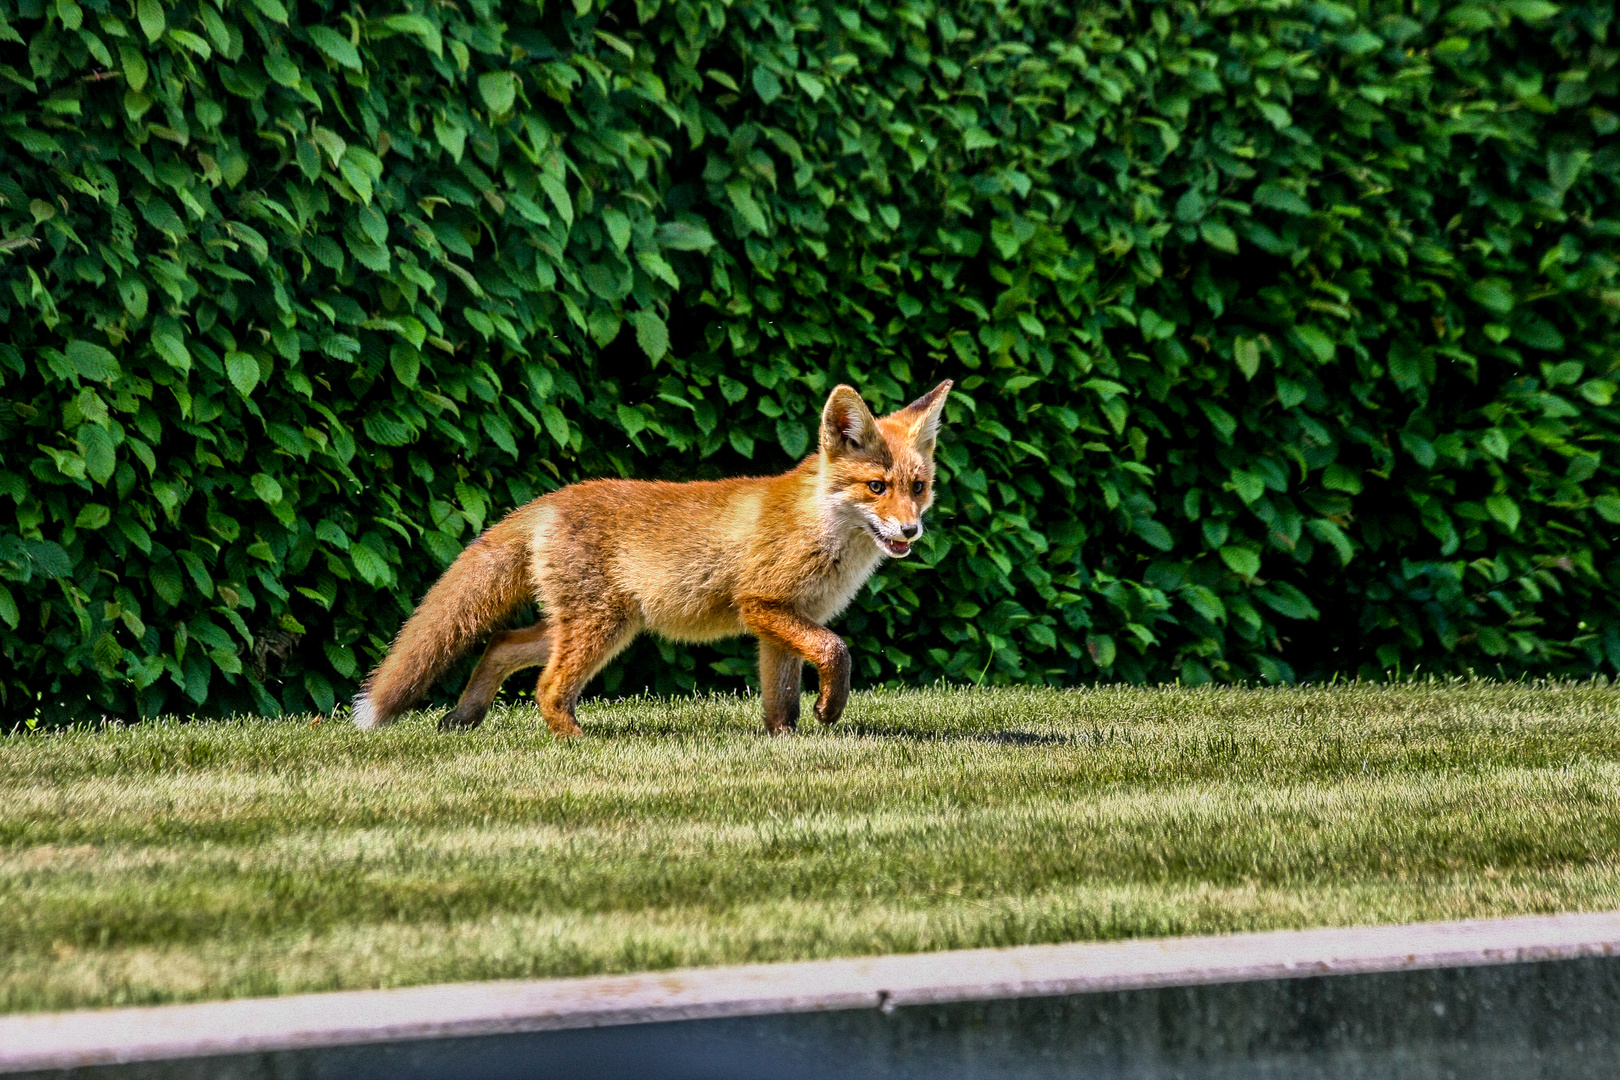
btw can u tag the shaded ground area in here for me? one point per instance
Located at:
(174, 862)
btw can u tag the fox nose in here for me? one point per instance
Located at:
(909, 531)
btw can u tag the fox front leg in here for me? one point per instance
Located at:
(781, 679)
(832, 668)
(786, 629)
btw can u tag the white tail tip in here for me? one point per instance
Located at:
(364, 713)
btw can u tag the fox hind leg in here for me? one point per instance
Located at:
(781, 674)
(581, 645)
(509, 651)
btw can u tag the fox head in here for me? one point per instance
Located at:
(880, 471)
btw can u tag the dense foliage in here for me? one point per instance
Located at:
(1285, 331)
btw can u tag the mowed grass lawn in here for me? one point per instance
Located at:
(185, 861)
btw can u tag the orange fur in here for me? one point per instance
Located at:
(775, 557)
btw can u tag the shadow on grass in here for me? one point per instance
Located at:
(810, 729)
(1004, 738)
(692, 720)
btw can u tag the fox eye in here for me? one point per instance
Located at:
(878, 487)
(917, 487)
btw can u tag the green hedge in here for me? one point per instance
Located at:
(1286, 332)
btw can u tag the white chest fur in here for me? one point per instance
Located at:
(853, 555)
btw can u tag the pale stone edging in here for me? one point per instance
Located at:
(107, 1036)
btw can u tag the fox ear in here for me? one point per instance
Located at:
(921, 418)
(847, 425)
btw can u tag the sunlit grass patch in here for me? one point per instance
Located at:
(184, 861)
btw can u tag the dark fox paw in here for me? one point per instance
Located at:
(458, 720)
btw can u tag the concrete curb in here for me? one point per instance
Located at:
(256, 1025)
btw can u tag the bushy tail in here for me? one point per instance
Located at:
(483, 587)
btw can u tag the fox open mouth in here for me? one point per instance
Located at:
(898, 548)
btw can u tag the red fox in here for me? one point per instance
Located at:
(776, 557)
